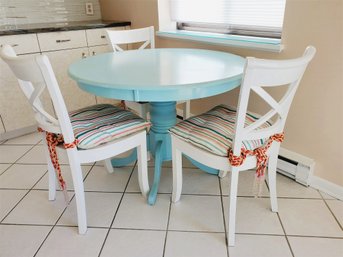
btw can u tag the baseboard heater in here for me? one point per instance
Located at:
(296, 166)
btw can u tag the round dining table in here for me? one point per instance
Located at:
(162, 77)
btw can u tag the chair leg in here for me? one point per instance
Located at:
(143, 168)
(109, 166)
(232, 206)
(76, 172)
(51, 171)
(177, 174)
(52, 181)
(186, 110)
(272, 163)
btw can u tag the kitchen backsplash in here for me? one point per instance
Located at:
(18, 12)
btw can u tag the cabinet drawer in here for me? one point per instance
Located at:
(22, 44)
(62, 40)
(96, 37)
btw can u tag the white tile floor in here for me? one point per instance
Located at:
(309, 222)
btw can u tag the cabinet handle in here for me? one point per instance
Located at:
(62, 40)
(83, 55)
(103, 36)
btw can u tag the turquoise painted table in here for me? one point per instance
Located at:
(161, 77)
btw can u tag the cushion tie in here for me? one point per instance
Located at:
(261, 156)
(122, 105)
(53, 140)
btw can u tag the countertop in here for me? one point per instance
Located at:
(60, 26)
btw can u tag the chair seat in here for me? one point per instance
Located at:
(102, 123)
(213, 131)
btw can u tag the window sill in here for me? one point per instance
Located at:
(258, 43)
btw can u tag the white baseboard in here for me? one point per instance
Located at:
(18, 132)
(328, 187)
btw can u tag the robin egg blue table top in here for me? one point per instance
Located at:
(161, 77)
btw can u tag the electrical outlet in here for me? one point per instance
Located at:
(89, 9)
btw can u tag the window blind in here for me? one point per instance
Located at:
(231, 15)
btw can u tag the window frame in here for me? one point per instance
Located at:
(171, 29)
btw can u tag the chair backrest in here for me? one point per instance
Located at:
(118, 37)
(260, 73)
(35, 74)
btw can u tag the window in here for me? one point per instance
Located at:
(252, 24)
(259, 18)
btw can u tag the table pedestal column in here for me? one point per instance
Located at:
(163, 117)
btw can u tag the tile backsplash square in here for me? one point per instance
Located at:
(19, 12)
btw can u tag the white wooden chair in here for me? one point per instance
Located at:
(34, 74)
(147, 36)
(221, 137)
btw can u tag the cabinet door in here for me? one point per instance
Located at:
(98, 50)
(15, 110)
(74, 97)
(22, 44)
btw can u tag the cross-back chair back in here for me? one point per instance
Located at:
(142, 35)
(260, 74)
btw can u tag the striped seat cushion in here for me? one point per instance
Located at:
(101, 123)
(214, 130)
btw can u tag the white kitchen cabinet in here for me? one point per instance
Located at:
(22, 44)
(62, 48)
(74, 97)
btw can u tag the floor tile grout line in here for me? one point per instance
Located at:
(52, 228)
(224, 220)
(2, 220)
(29, 190)
(15, 162)
(170, 230)
(116, 212)
(167, 229)
(333, 214)
(44, 163)
(11, 164)
(309, 236)
(285, 235)
(23, 144)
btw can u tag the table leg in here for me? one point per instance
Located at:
(157, 173)
(163, 117)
